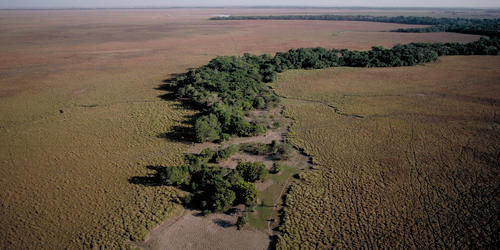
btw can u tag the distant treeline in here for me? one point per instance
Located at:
(228, 86)
(488, 27)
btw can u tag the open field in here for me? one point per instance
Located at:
(80, 115)
(191, 230)
(403, 161)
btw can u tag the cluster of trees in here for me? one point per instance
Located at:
(223, 90)
(213, 188)
(216, 189)
(489, 27)
(275, 150)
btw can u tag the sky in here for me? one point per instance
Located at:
(209, 3)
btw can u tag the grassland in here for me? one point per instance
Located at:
(406, 157)
(80, 115)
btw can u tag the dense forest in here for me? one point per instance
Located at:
(488, 27)
(228, 86)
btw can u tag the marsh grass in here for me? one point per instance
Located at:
(418, 170)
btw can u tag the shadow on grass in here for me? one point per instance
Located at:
(179, 133)
(150, 180)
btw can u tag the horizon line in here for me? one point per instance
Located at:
(251, 7)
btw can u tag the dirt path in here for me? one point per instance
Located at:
(194, 231)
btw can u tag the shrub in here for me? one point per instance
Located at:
(252, 171)
(207, 128)
(221, 196)
(282, 152)
(255, 148)
(225, 137)
(246, 193)
(224, 154)
(276, 168)
(241, 221)
(175, 176)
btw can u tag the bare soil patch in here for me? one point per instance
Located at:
(214, 231)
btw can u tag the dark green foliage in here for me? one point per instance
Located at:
(255, 148)
(212, 188)
(206, 154)
(252, 171)
(275, 150)
(242, 127)
(175, 176)
(224, 154)
(224, 88)
(281, 151)
(228, 86)
(399, 55)
(246, 193)
(489, 27)
(207, 128)
(241, 221)
(276, 168)
(220, 195)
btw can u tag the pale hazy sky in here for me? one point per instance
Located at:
(172, 3)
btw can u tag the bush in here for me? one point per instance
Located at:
(241, 221)
(207, 128)
(246, 193)
(221, 196)
(224, 154)
(225, 137)
(282, 152)
(252, 171)
(255, 148)
(175, 176)
(276, 168)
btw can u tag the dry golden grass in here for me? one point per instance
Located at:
(64, 176)
(419, 170)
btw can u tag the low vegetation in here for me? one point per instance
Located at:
(68, 189)
(489, 27)
(419, 170)
(276, 151)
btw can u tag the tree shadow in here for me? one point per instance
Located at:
(233, 211)
(223, 223)
(179, 134)
(150, 180)
(183, 134)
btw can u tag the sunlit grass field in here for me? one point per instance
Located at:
(80, 113)
(406, 157)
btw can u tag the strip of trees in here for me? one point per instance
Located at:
(228, 86)
(488, 27)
